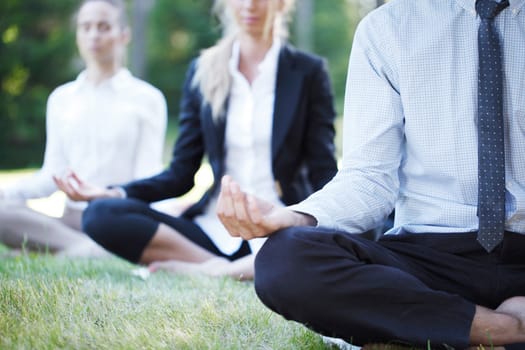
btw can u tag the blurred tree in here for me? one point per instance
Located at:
(332, 30)
(335, 23)
(139, 16)
(36, 47)
(177, 31)
(303, 27)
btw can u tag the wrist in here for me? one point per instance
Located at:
(116, 192)
(302, 219)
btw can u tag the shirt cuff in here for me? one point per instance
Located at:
(121, 191)
(303, 208)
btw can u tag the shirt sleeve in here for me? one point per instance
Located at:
(152, 135)
(187, 154)
(365, 188)
(41, 184)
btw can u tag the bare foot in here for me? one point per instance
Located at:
(174, 266)
(505, 325)
(212, 267)
(514, 306)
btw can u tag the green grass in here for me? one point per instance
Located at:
(54, 303)
(48, 302)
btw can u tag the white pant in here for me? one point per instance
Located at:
(22, 227)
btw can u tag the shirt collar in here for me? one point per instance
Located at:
(117, 81)
(269, 61)
(470, 5)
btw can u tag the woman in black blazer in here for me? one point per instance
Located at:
(260, 111)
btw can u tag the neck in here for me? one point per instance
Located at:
(96, 74)
(253, 49)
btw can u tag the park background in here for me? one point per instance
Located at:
(38, 53)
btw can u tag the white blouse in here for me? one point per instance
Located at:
(248, 158)
(109, 133)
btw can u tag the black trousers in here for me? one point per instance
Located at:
(413, 289)
(126, 226)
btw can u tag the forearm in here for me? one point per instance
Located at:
(170, 183)
(114, 192)
(351, 202)
(303, 219)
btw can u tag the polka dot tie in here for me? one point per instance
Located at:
(491, 152)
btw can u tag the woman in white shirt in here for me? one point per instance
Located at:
(107, 126)
(258, 110)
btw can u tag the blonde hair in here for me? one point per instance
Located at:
(212, 74)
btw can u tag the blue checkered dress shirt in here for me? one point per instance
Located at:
(410, 133)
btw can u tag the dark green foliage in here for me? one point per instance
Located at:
(177, 33)
(36, 50)
(334, 25)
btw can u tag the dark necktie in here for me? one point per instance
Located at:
(491, 147)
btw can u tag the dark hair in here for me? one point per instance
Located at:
(118, 4)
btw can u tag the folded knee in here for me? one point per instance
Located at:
(281, 268)
(96, 216)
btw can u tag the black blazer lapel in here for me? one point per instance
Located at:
(287, 93)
